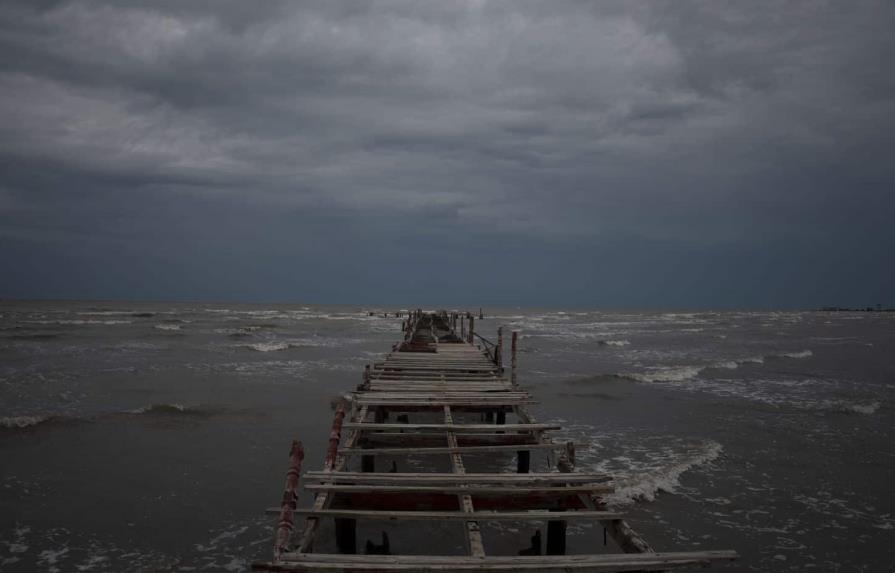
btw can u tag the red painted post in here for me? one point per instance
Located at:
(335, 436)
(290, 500)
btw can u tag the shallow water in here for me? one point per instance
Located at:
(152, 436)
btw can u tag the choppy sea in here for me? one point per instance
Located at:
(152, 436)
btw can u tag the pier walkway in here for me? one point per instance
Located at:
(432, 409)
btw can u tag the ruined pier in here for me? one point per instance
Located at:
(404, 447)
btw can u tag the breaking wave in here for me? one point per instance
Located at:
(167, 326)
(271, 346)
(641, 466)
(613, 342)
(278, 345)
(78, 322)
(24, 422)
(19, 422)
(645, 486)
(685, 373)
(802, 354)
(865, 408)
(667, 374)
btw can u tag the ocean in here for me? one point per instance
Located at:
(152, 436)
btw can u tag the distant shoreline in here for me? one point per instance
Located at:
(846, 309)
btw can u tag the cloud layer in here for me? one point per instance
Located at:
(554, 153)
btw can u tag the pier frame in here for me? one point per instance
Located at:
(443, 368)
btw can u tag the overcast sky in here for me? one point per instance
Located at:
(567, 154)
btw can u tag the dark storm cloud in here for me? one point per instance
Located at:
(649, 153)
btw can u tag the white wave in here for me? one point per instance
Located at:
(615, 342)
(269, 346)
(668, 374)
(645, 487)
(802, 354)
(167, 326)
(49, 558)
(866, 408)
(107, 313)
(314, 342)
(733, 364)
(172, 407)
(21, 421)
(78, 322)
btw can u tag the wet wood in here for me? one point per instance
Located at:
(449, 478)
(611, 563)
(459, 515)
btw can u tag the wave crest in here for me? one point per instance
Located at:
(174, 408)
(19, 422)
(645, 486)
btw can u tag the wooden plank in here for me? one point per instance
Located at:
(456, 515)
(418, 395)
(482, 402)
(471, 490)
(603, 563)
(399, 387)
(452, 478)
(473, 532)
(436, 439)
(367, 426)
(447, 450)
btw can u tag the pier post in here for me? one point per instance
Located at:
(471, 329)
(346, 536)
(498, 351)
(290, 499)
(523, 461)
(556, 537)
(513, 359)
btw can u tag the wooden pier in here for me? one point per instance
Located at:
(440, 395)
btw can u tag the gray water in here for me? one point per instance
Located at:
(151, 436)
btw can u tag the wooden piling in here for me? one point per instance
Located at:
(556, 537)
(513, 360)
(523, 461)
(290, 499)
(498, 352)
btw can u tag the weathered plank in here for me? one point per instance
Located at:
(366, 426)
(447, 450)
(604, 563)
(471, 489)
(451, 478)
(457, 515)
